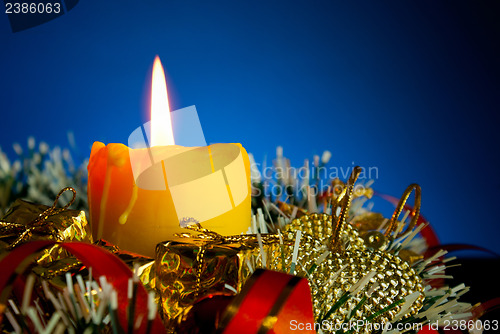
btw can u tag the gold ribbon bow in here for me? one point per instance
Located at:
(215, 238)
(39, 225)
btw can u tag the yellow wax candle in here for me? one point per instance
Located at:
(141, 196)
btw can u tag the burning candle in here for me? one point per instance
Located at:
(142, 195)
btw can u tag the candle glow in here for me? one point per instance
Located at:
(161, 123)
(145, 193)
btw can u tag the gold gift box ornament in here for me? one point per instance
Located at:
(145, 193)
(26, 221)
(198, 263)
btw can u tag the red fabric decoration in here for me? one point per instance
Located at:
(270, 302)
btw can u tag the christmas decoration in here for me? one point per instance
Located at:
(27, 221)
(361, 267)
(195, 265)
(315, 256)
(355, 266)
(86, 315)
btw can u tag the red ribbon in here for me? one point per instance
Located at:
(270, 302)
(102, 262)
(483, 308)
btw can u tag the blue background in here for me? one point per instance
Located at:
(411, 87)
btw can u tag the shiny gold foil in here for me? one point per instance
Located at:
(193, 266)
(144, 264)
(289, 209)
(22, 224)
(368, 221)
(54, 271)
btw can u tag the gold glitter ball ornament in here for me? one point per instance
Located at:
(320, 226)
(392, 279)
(352, 279)
(389, 280)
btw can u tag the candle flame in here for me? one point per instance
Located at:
(161, 123)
